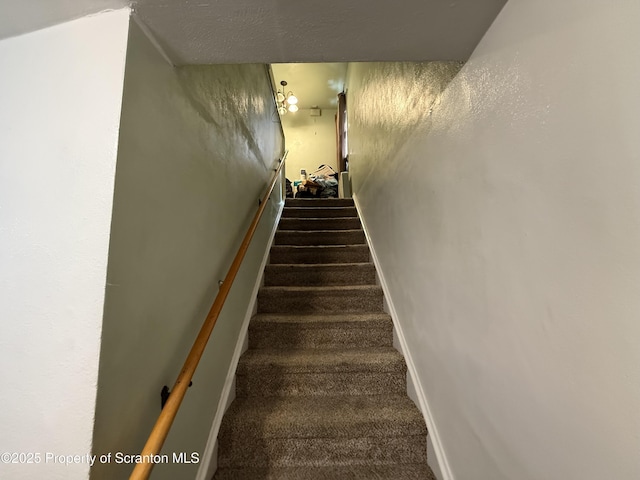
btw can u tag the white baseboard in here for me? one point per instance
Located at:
(415, 391)
(209, 463)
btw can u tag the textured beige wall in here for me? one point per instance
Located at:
(507, 223)
(197, 145)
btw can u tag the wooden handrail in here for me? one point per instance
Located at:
(165, 419)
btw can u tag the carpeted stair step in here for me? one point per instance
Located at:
(418, 471)
(319, 237)
(319, 202)
(330, 431)
(327, 274)
(319, 212)
(285, 452)
(355, 330)
(321, 372)
(332, 299)
(319, 254)
(339, 223)
(321, 392)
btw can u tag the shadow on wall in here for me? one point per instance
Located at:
(224, 102)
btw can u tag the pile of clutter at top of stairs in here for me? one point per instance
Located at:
(322, 183)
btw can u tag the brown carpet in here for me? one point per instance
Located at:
(321, 392)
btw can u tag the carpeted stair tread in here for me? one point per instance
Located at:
(318, 212)
(319, 452)
(319, 254)
(346, 320)
(338, 330)
(381, 359)
(320, 372)
(359, 273)
(319, 237)
(320, 299)
(304, 223)
(318, 289)
(310, 417)
(319, 202)
(418, 471)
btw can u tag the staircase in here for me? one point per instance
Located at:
(321, 392)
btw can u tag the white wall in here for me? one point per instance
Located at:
(311, 141)
(59, 115)
(197, 147)
(20, 16)
(508, 227)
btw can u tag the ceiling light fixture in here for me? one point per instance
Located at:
(287, 102)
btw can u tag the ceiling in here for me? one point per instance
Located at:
(278, 31)
(315, 84)
(323, 34)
